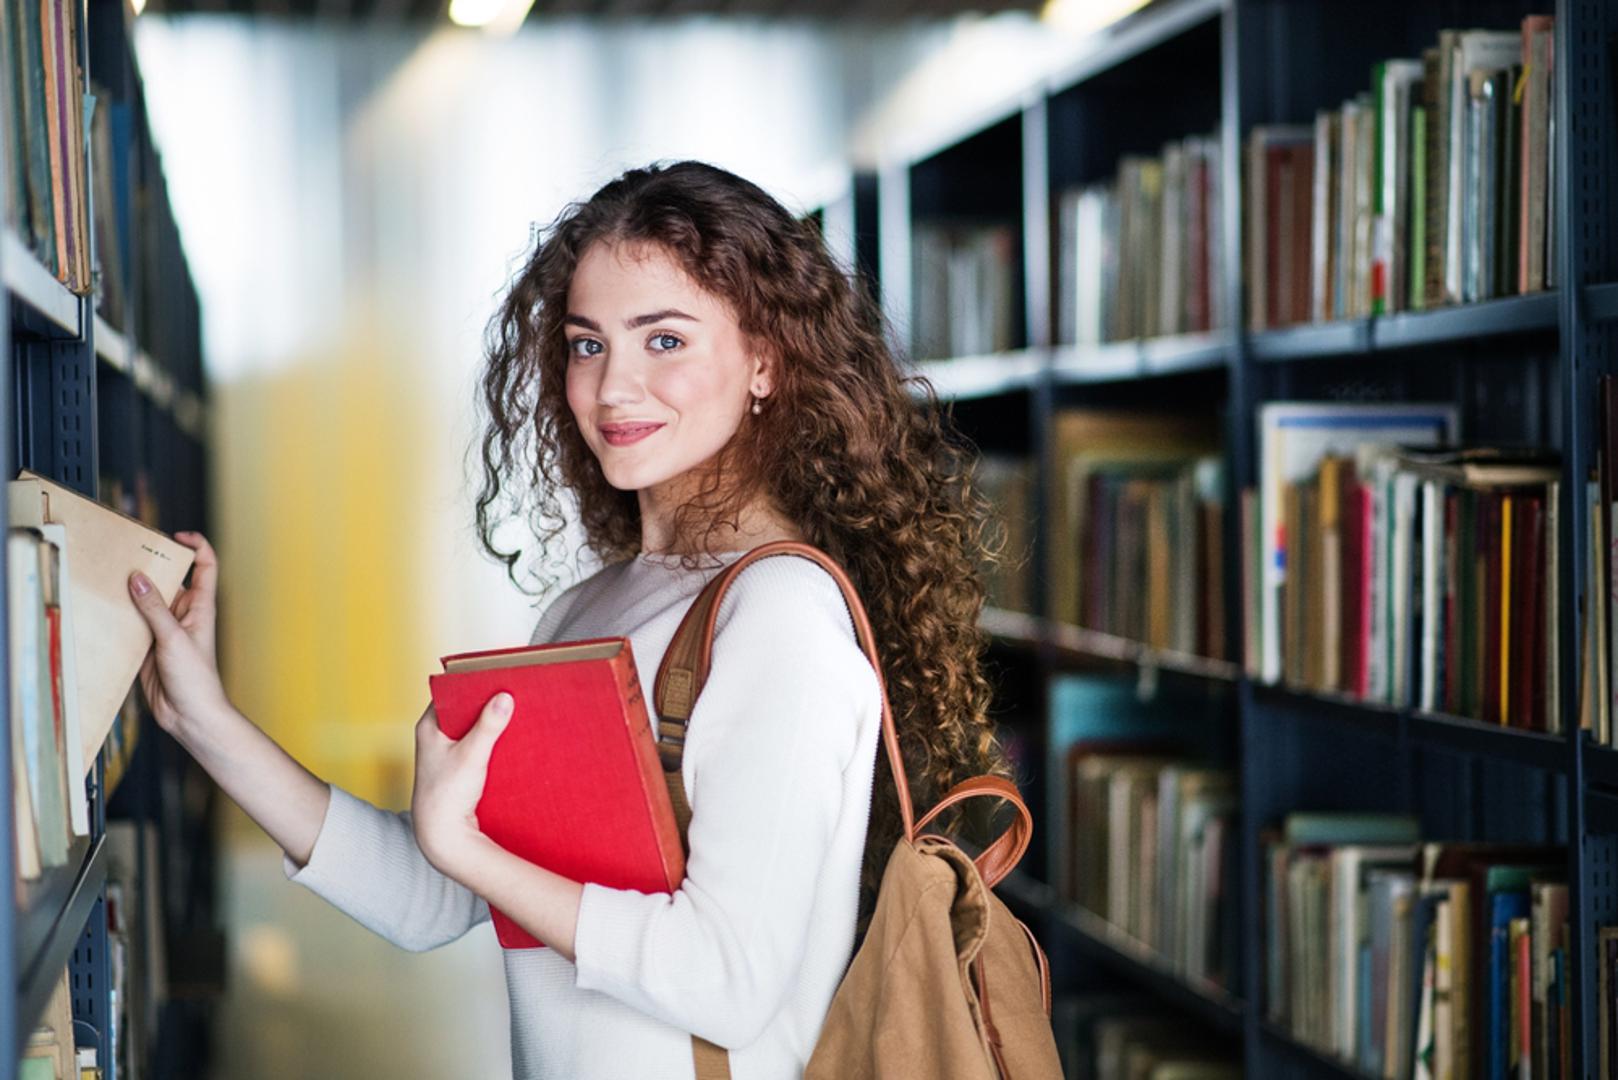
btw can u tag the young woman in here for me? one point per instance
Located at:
(683, 357)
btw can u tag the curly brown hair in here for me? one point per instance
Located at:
(879, 480)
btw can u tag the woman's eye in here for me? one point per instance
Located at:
(584, 346)
(665, 342)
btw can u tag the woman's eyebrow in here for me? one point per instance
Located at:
(630, 324)
(658, 316)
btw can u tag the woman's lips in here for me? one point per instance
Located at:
(625, 434)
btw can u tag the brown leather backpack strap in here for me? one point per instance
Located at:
(680, 678)
(998, 859)
(686, 662)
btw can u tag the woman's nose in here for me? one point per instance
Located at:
(620, 382)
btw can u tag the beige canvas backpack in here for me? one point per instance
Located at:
(948, 984)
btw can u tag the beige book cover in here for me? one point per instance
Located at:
(111, 638)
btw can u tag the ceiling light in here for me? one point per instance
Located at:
(499, 17)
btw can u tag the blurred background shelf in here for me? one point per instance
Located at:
(968, 377)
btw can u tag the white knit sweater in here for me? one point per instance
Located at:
(778, 766)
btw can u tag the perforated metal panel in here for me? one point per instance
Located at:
(89, 981)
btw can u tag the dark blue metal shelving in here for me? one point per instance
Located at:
(55, 415)
(1232, 65)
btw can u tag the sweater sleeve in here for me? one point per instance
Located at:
(771, 742)
(366, 863)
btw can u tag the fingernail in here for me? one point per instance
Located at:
(138, 582)
(502, 704)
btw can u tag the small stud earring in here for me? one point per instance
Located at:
(758, 406)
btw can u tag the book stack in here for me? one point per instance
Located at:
(1136, 528)
(1007, 482)
(1154, 854)
(1139, 255)
(42, 108)
(1432, 187)
(1421, 578)
(1405, 959)
(964, 289)
(49, 800)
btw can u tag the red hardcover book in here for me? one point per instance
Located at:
(1351, 518)
(1528, 583)
(1489, 704)
(574, 784)
(1452, 603)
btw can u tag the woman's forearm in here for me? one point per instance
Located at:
(543, 903)
(287, 800)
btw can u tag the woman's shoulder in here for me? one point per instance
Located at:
(572, 598)
(787, 595)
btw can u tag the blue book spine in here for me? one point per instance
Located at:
(1505, 907)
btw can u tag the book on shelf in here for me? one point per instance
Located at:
(1139, 255)
(1135, 527)
(1426, 579)
(49, 798)
(575, 783)
(964, 277)
(103, 547)
(1430, 187)
(1407, 959)
(46, 200)
(1154, 844)
(109, 183)
(1007, 482)
(1295, 438)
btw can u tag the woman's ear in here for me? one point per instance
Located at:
(762, 377)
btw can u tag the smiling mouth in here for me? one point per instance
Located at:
(629, 433)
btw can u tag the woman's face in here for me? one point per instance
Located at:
(658, 374)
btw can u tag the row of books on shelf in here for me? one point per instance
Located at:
(75, 645)
(1153, 852)
(1140, 255)
(46, 197)
(54, 174)
(1409, 959)
(1117, 1036)
(1380, 565)
(1434, 186)
(964, 293)
(1378, 560)
(1403, 959)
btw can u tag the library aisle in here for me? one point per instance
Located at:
(311, 993)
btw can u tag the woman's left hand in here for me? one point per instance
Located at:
(449, 782)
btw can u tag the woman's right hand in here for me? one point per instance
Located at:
(180, 676)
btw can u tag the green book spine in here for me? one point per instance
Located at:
(1418, 208)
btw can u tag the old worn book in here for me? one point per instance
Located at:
(103, 548)
(575, 783)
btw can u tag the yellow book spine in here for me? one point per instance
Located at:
(1505, 608)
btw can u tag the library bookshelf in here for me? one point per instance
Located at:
(1520, 368)
(112, 404)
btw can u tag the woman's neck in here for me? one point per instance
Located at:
(757, 523)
